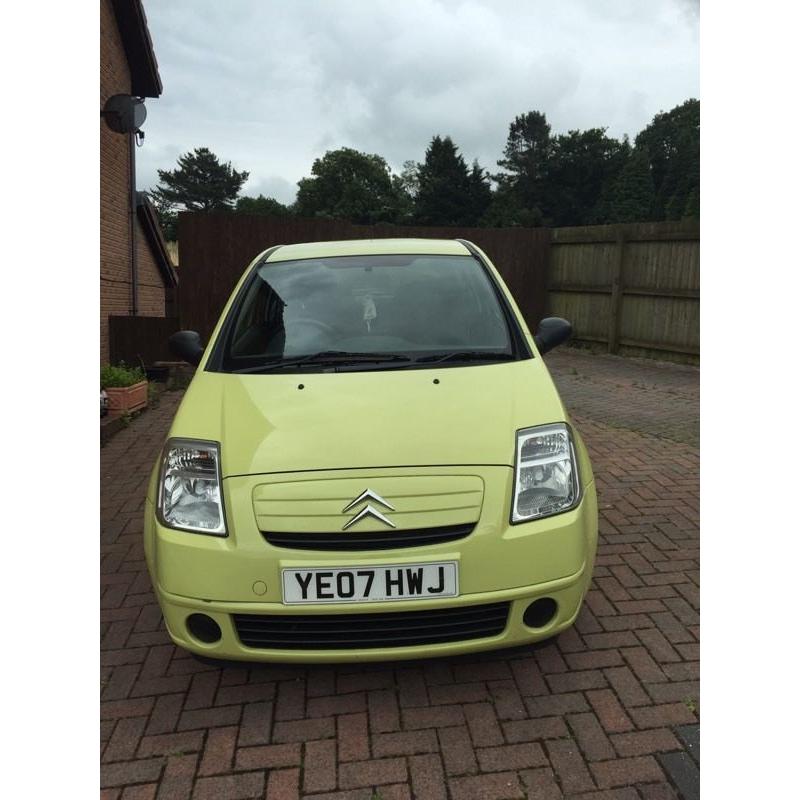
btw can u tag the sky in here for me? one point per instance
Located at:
(270, 85)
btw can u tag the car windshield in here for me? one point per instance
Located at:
(367, 312)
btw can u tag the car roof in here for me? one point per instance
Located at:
(365, 247)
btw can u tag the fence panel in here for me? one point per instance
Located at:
(634, 288)
(140, 340)
(215, 249)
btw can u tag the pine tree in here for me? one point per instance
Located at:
(525, 160)
(631, 196)
(445, 193)
(200, 183)
(480, 194)
(167, 216)
(692, 208)
(672, 141)
(581, 165)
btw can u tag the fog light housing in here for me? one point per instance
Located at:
(203, 628)
(540, 613)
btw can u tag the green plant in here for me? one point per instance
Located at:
(112, 377)
(691, 704)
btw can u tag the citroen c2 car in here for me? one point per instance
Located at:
(371, 463)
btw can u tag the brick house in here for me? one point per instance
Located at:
(136, 274)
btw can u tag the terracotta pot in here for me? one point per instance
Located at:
(128, 398)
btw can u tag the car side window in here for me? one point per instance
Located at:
(258, 329)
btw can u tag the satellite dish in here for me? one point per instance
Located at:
(124, 113)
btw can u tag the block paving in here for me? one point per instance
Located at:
(609, 709)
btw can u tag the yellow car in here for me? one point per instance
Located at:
(370, 463)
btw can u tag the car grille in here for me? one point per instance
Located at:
(368, 540)
(356, 631)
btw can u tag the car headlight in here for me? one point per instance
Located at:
(545, 474)
(190, 487)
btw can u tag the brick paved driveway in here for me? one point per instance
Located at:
(608, 710)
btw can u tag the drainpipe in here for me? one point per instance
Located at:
(134, 266)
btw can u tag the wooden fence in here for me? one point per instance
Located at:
(140, 340)
(216, 248)
(634, 288)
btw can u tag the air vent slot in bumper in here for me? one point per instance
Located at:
(382, 629)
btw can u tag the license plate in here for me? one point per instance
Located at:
(371, 584)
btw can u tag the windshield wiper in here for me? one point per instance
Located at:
(327, 358)
(465, 355)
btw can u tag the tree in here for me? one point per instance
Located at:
(480, 193)
(692, 208)
(347, 184)
(200, 183)
(506, 210)
(580, 165)
(449, 193)
(409, 177)
(404, 200)
(525, 159)
(631, 195)
(672, 141)
(265, 206)
(167, 216)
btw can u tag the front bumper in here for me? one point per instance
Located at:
(567, 592)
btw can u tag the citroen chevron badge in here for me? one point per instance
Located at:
(369, 510)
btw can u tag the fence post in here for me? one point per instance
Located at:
(617, 290)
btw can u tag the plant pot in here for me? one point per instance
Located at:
(123, 400)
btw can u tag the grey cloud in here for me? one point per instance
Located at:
(271, 85)
(271, 186)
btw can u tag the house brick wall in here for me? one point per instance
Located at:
(115, 171)
(115, 199)
(151, 284)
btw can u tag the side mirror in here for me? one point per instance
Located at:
(186, 345)
(552, 332)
